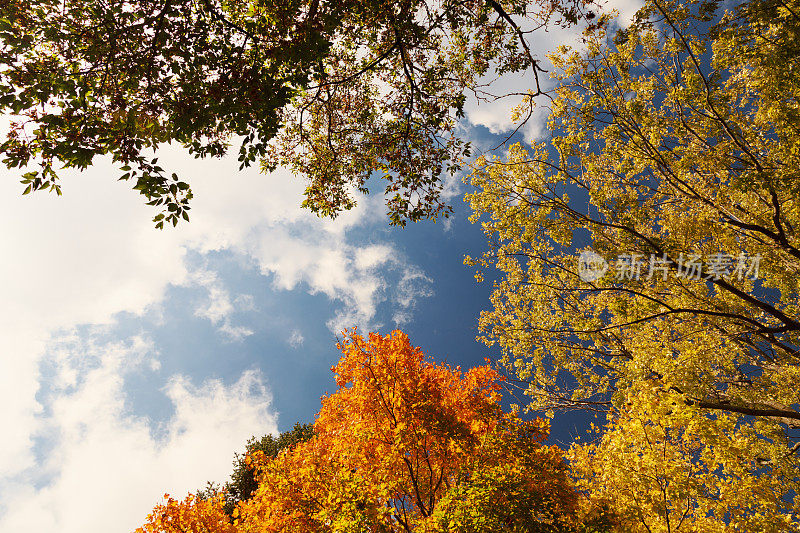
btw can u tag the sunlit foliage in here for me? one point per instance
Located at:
(674, 142)
(406, 444)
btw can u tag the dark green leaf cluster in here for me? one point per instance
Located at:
(243, 482)
(87, 78)
(337, 91)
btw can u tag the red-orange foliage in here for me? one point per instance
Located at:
(405, 444)
(193, 515)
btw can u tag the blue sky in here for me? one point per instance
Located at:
(291, 339)
(135, 362)
(140, 360)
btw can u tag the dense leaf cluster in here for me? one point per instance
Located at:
(404, 444)
(244, 482)
(334, 90)
(674, 156)
(83, 79)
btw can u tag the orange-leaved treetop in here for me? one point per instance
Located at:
(405, 444)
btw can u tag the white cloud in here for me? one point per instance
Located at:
(66, 261)
(82, 258)
(495, 114)
(413, 285)
(327, 263)
(105, 467)
(626, 9)
(245, 302)
(373, 256)
(296, 339)
(219, 304)
(234, 333)
(219, 307)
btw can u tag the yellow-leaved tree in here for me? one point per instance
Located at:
(651, 258)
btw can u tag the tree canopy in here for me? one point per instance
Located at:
(243, 482)
(404, 444)
(649, 252)
(334, 90)
(673, 170)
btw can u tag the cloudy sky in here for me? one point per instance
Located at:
(135, 362)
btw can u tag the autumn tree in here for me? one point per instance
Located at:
(406, 444)
(335, 90)
(662, 465)
(403, 434)
(673, 170)
(243, 482)
(193, 514)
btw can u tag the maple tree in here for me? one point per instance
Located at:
(674, 156)
(243, 481)
(335, 90)
(193, 514)
(405, 444)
